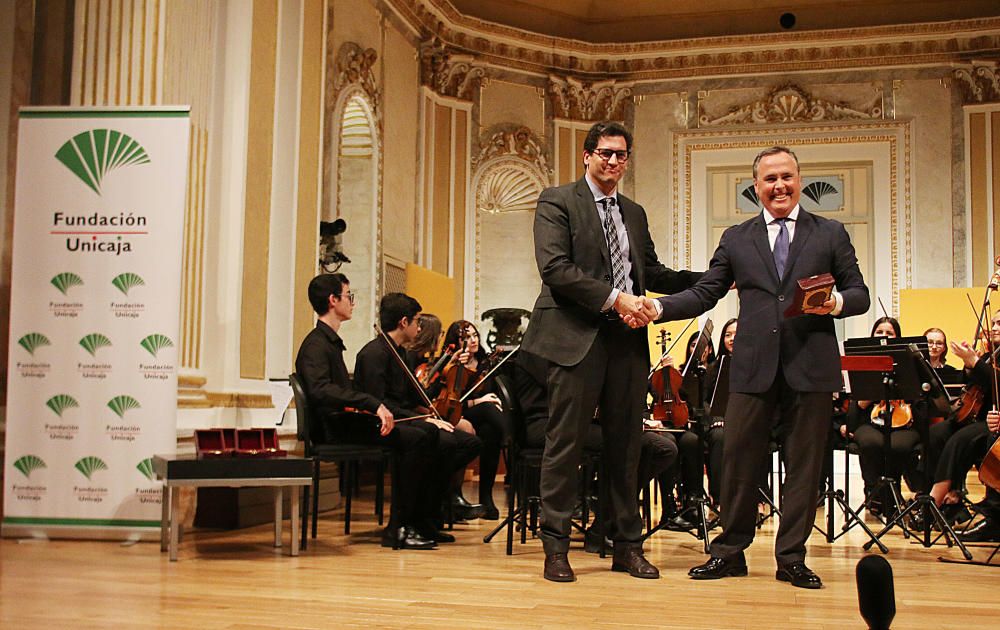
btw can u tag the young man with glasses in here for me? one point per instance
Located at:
(596, 258)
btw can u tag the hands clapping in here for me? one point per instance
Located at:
(635, 310)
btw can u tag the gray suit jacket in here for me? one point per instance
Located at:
(806, 346)
(573, 261)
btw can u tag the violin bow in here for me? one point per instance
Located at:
(406, 369)
(489, 374)
(670, 349)
(709, 327)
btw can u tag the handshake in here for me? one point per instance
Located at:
(635, 310)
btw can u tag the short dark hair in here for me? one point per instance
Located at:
(393, 308)
(604, 129)
(322, 287)
(775, 150)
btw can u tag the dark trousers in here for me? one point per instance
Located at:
(613, 375)
(416, 447)
(963, 450)
(873, 458)
(493, 428)
(749, 419)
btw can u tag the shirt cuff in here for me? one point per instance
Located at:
(610, 302)
(658, 308)
(840, 304)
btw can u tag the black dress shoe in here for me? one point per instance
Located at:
(799, 575)
(436, 535)
(984, 531)
(557, 568)
(678, 523)
(490, 512)
(717, 568)
(632, 560)
(406, 538)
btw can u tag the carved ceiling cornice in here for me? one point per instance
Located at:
(791, 104)
(449, 73)
(578, 100)
(978, 83)
(855, 48)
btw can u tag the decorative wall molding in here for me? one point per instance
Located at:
(978, 83)
(448, 73)
(807, 51)
(574, 99)
(790, 103)
(355, 66)
(508, 139)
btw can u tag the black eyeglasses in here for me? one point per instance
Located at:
(605, 154)
(350, 297)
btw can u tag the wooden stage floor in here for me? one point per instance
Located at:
(238, 580)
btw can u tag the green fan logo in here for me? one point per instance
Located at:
(121, 404)
(146, 468)
(29, 463)
(125, 281)
(60, 403)
(153, 343)
(33, 341)
(65, 281)
(89, 465)
(94, 342)
(93, 154)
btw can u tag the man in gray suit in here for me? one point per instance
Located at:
(786, 365)
(596, 259)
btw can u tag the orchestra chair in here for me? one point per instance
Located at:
(347, 456)
(523, 467)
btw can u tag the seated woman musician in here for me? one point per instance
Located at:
(865, 420)
(481, 408)
(969, 434)
(691, 443)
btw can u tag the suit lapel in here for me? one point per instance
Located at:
(587, 210)
(764, 247)
(803, 229)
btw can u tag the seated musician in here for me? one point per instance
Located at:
(864, 425)
(693, 443)
(969, 440)
(658, 451)
(937, 352)
(482, 408)
(378, 373)
(321, 368)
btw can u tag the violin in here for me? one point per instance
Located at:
(900, 414)
(454, 380)
(428, 373)
(668, 407)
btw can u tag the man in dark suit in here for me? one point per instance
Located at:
(781, 365)
(595, 257)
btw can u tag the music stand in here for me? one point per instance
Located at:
(936, 396)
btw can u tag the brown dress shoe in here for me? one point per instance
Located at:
(631, 559)
(557, 568)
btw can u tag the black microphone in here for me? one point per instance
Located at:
(876, 595)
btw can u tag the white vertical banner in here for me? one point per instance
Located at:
(94, 321)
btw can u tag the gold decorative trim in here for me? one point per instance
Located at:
(867, 47)
(869, 133)
(241, 400)
(790, 103)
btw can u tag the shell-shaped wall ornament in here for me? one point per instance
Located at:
(508, 185)
(818, 190)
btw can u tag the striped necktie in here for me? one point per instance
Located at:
(614, 248)
(781, 247)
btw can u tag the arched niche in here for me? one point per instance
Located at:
(355, 197)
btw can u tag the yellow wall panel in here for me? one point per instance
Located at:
(947, 309)
(435, 292)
